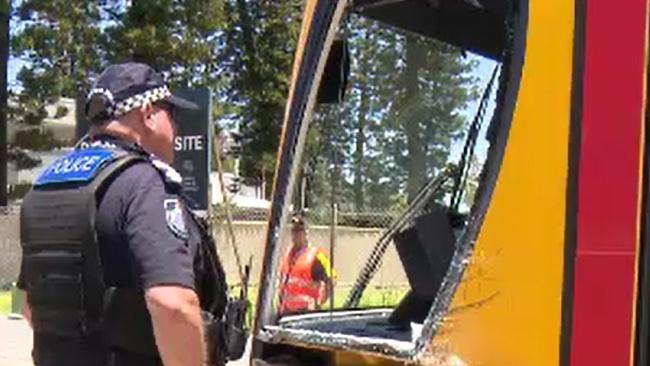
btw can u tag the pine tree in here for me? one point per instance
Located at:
(181, 39)
(65, 43)
(260, 44)
(400, 116)
(53, 40)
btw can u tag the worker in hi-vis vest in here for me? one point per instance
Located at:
(306, 273)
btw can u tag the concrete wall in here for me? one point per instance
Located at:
(9, 246)
(353, 246)
(352, 249)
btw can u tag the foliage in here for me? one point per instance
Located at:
(5, 302)
(21, 159)
(179, 38)
(260, 40)
(241, 49)
(53, 39)
(36, 139)
(393, 132)
(18, 191)
(65, 43)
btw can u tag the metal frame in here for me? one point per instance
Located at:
(294, 133)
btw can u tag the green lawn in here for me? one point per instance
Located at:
(5, 302)
(382, 296)
(373, 297)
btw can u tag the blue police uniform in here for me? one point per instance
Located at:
(85, 274)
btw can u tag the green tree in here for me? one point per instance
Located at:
(434, 85)
(401, 114)
(180, 38)
(65, 43)
(53, 40)
(260, 44)
(373, 52)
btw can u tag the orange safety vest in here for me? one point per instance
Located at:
(299, 292)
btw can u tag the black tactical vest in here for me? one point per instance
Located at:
(62, 269)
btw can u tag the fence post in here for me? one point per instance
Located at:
(17, 300)
(335, 211)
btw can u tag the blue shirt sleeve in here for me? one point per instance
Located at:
(160, 254)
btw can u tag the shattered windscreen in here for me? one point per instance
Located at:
(385, 186)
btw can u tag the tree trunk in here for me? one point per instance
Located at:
(360, 139)
(5, 13)
(416, 155)
(247, 32)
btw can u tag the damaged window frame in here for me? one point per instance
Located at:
(311, 86)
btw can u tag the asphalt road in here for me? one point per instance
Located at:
(16, 344)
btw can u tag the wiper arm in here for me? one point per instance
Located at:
(373, 262)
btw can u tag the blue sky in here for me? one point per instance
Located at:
(14, 68)
(483, 73)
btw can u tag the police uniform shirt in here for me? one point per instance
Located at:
(144, 243)
(143, 240)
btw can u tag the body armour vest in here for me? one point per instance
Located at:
(62, 265)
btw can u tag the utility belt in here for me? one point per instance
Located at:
(127, 323)
(236, 332)
(230, 332)
(128, 328)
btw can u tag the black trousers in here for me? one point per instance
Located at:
(118, 357)
(55, 351)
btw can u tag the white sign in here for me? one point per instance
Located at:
(189, 143)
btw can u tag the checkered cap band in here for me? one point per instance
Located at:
(107, 93)
(138, 100)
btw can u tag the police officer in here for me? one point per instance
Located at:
(117, 271)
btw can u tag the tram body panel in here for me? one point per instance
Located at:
(552, 275)
(507, 309)
(610, 179)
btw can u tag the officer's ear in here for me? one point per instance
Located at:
(146, 114)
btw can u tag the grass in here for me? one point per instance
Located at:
(373, 297)
(382, 296)
(5, 302)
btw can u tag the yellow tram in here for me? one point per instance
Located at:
(550, 265)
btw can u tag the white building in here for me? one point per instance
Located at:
(62, 128)
(248, 196)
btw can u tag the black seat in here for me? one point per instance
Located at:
(425, 250)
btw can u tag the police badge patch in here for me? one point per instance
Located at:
(174, 217)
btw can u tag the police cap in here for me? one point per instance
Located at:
(122, 88)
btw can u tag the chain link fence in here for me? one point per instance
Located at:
(356, 234)
(9, 245)
(364, 219)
